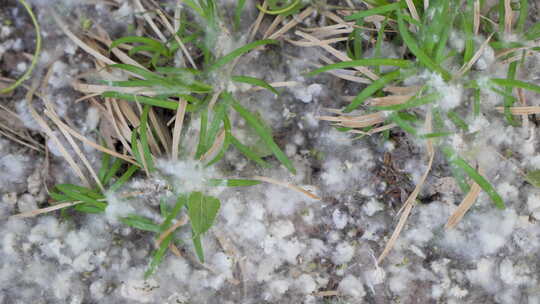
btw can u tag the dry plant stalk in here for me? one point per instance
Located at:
(359, 121)
(286, 185)
(464, 206)
(474, 58)
(183, 220)
(526, 110)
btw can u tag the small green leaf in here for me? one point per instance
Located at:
(533, 177)
(202, 211)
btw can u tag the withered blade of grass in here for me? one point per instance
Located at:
(526, 110)
(338, 54)
(476, 12)
(177, 131)
(464, 206)
(473, 59)
(372, 89)
(360, 121)
(184, 220)
(375, 130)
(294, 21)
(322, 42)
(508, 16)
(388, 100)
(112, 118)
(93, 144)
(255, 26)
(161, 131)
(79, 42)
(410, 90)
(149, 20)
(48, 131)
(277, 20)
(458, 161)
(168, 25)
(287, 185)
(53, 116)
(218, 142)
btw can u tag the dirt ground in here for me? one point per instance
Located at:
(269, 244)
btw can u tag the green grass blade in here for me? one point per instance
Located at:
(156, 45)
(80, 193)
(266, 136)
(201, 146)
(226, 142)
(238, 13)
(143, 131)
(238, 52)
(232, 182)
(476, 105)
(215, 125)
(141, 223)
(255, 82)
(434, 24)
(474, 175)
(180, 203)
(457, 121)
(248, 153)
(417, 51)
(436, 134)
(167, 104)
(362, 62)
(36, 55)
(116, 165)
(90, 208)
(376, 11)
(157, 256)
(136, 70)
(533, 32)
(104, 169)
(372, 89)
(124, 178)
(402, 123)
(516, 84)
